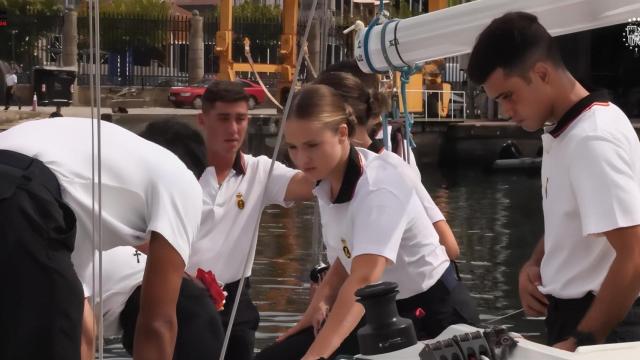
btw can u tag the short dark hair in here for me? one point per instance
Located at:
(181, 139)
(223, 91)
(512, 42)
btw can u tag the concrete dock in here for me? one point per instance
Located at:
(448, 143)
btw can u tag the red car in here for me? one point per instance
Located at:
(192, 95)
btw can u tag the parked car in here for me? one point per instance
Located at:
(192, 95)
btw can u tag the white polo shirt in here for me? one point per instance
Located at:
(433, 211)
(11, 79)
(144, 186)
(378, 212)
(590, 185)
(122, 272)
(412, 158)
(231, 213)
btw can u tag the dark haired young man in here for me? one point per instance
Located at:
(584, 275)
(200, 332)
(234, 196)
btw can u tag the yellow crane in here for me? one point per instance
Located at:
(288, 50)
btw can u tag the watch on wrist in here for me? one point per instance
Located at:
(584, 338)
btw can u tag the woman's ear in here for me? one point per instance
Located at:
(343, 133)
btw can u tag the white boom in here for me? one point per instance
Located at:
(453, 31)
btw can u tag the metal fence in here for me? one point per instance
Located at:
(454, 73)
(136, 50)
(144, 50)
(30, 39)
(265, 45)
(147, 51)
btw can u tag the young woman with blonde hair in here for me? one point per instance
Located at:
(375, 228)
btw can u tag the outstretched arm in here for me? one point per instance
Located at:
(157, 326)
(300, 188)
(346, 312)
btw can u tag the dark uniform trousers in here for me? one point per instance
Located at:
(200, 326)
(200, 334)
(8, 96)
(243, 333)
(564, 316)
(41, 301)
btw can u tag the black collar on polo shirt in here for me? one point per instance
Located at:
(578, 108)
(376, 146)
(239, 165)
(350, 179)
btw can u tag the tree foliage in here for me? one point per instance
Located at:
(252, 11)
(141, 26)
(28, 21)
(153, 8)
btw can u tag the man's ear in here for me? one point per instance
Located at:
(542, 72)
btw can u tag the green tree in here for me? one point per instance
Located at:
(143, 26)
(24, 7)
(131, 7)
(254, 11)
(28, 21)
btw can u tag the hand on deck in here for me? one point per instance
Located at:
(533, 301)
(312, 317)
(567, 345)
(319, 317)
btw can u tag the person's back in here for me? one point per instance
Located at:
(137, 179)
(48, 188)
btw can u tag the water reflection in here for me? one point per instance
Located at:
(497, 219)
(283, 259)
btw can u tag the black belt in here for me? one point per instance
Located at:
(572, 303)
(232, 287)
(450, 277)
(442, 295)
(445, 285)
